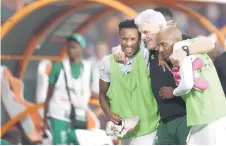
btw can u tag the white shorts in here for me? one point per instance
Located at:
(148, 139)
(209, 134)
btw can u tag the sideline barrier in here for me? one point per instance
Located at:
(41, 3)
(37, 38)
(31, 109)
(14, 19)
(17, 118)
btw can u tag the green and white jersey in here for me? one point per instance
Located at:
(78, 78)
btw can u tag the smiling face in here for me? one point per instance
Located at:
(148, 35)
(166, 38)
(165, 47)
(129, 40)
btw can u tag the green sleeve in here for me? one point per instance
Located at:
(55, 72)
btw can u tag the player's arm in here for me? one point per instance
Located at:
(194, 46)
(197, 45)
(105, 103)
(52, 80)
(104, 84)
(201, 45)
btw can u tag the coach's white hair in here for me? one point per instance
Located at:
(151, 17)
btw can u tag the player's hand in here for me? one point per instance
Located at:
(162, 63)
(115, 118)
(118, 54)
(166, 93)
(178, 57)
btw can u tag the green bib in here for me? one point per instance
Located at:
(131, 95)
(205, 106)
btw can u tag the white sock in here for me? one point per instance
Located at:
(186, 74)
